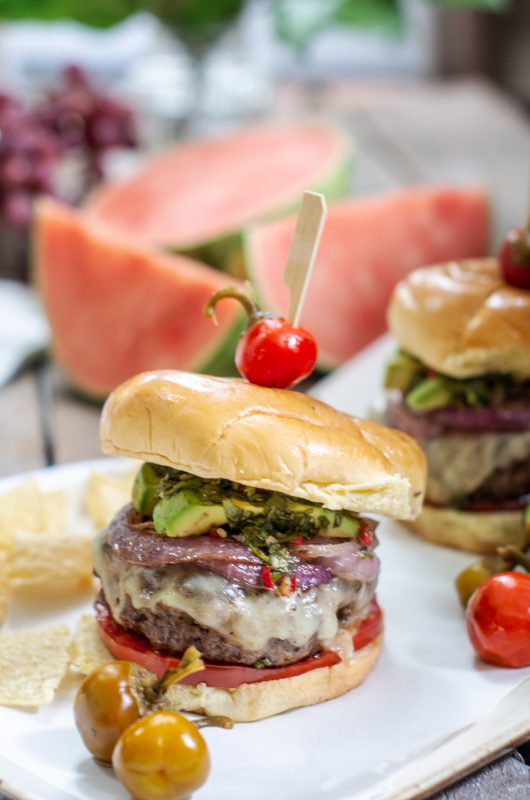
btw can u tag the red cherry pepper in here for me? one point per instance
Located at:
(266, 577)
(271, 352)
(365, 536)
(514, 258)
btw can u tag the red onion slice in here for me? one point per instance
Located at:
(155, 550)
(316, 562)
(354, 566)
(348, 560)
(430, 424)
(314, 549)
(250, 575)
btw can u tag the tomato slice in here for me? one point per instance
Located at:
(133, 647)
(370, 627)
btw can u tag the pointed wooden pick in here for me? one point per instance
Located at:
(303, 251)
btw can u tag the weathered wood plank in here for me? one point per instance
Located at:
(460, 132)
(20, 426)
(75, 423)
(463, 133)
(508, 778)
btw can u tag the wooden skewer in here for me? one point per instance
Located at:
(302, 254)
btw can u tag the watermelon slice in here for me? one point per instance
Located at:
(116, 309)
(367, 246)
(197, 197)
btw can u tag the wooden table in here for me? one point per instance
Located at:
(405, 134)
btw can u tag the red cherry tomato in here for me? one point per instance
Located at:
(514, 258)
(273, 353)
(498, 619)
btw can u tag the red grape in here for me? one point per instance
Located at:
(16, 208)
(76, 117)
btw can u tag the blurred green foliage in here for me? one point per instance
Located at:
(297, 21)
(195, 13)
(97, 13)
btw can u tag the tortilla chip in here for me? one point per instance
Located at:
(6, 561)
(105, 495)
(40, 558)
(32, 664)
(28, 508)
(88, 651)
(54, 511)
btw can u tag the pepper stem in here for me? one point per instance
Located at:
(514, 556)
(253, 310)
(214, 722)
(190, 662)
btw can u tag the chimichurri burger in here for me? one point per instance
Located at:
(246, 537)
(460, 384)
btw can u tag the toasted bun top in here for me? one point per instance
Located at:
(272, 439)
(463, 319)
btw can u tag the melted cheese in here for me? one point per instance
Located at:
(248, 618)
(460, 463)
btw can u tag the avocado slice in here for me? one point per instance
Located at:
(185, 514)
(237, 510)
(188, 513)
(401, 371)
(145, 488)
(332, 523)
(429, 394)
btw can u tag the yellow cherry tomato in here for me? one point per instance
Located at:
(105, 705)
(161, 757)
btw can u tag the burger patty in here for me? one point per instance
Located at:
(504, 484)
(180, 605)
(173, 630)
(489, 466)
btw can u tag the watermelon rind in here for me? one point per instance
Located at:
(221, 361)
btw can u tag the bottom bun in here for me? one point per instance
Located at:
(253, 701)
(473, 531)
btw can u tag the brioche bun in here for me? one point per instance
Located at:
(463, 319)
(253, 701)
(472, 531)
(272, 439)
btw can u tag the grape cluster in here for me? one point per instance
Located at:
(85, 119)
(28, 153)
(33, 140)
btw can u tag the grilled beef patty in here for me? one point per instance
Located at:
(502, 485)
(172, 630)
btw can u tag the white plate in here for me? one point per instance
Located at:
(426, 686)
